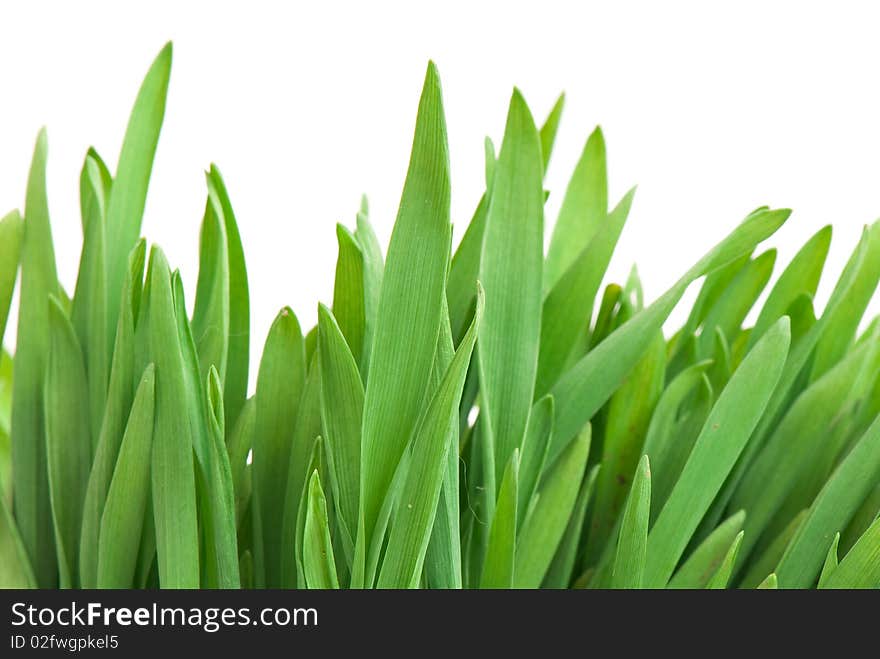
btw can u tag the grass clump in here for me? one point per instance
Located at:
(451, 421)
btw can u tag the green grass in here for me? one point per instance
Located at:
(454, 420)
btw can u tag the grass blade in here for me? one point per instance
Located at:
(510, 271)
(501, 552)
(11, 231)
(831, 562)
(15, 568)
(548, 519)
(237, 361)
(721, 578)
(89, 307)
(847, 487)
(125, 207)
(129, 492)
(411, 529)
(584, 209)
(210, 319)
(279, 388)
(349, 308)
(708, 558)
(120, 394)
(318, 560)
(724, 435)
(536, 444)
(68, 441)
(549, 129)
(568, 307)
(39, 280)
(561, 570)
(860, 568)
(409, 312)
(342, 405)
(590, 382)
(629, 562)
(173, 472)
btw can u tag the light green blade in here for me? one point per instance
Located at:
(173, 471)
(548, 518)
(590, 382)
(724, 435)
(39, 280)
(721, 578)
(237, 362)
(860, 568)
(411, 527)
(318, 560)
(568, 307)
(279, 387)
(831, 562)
(68, 440)
(629, 562)
(408, 317)
(128, 196)
(584, 209)
(501, 551)
(342, 405)
(129, 492)
(210, 319)
(348, 292)
(709, 556)
(549, 129)
(510, 271)
(11, 231)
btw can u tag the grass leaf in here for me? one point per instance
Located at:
(629, 562)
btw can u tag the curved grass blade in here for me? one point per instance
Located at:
(342, 405)
(831, 561)
(626, 423)
(15, 568)
(241, 441)
(728, 313)
(561, 570)
(770, 583)
(318, 560)
(536, 444)
(173, 472)
(843, 326)
(68, 440)
(510, 271)
(721, 578)
(590, 382)
(409, 313)
(464, 270)
(768, 557)
(39, 280)
(123, 517)
(349, 307)
(724, 435)
(584, 208)
(860, 568)
(501, 549)
(709, 556)
(236, 381)
(279, 388)
(546, 522)
(568, 307)
(11, 232)
(420, 493)
(549, 128)
(120, 393)
(799, 277)
(89, 306)
(443, 559)
(795, 447)
(210, 319)
(629, 562)
(125, 207)
(374, 270)
(838, 501)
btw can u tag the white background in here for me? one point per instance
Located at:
(304, 106)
